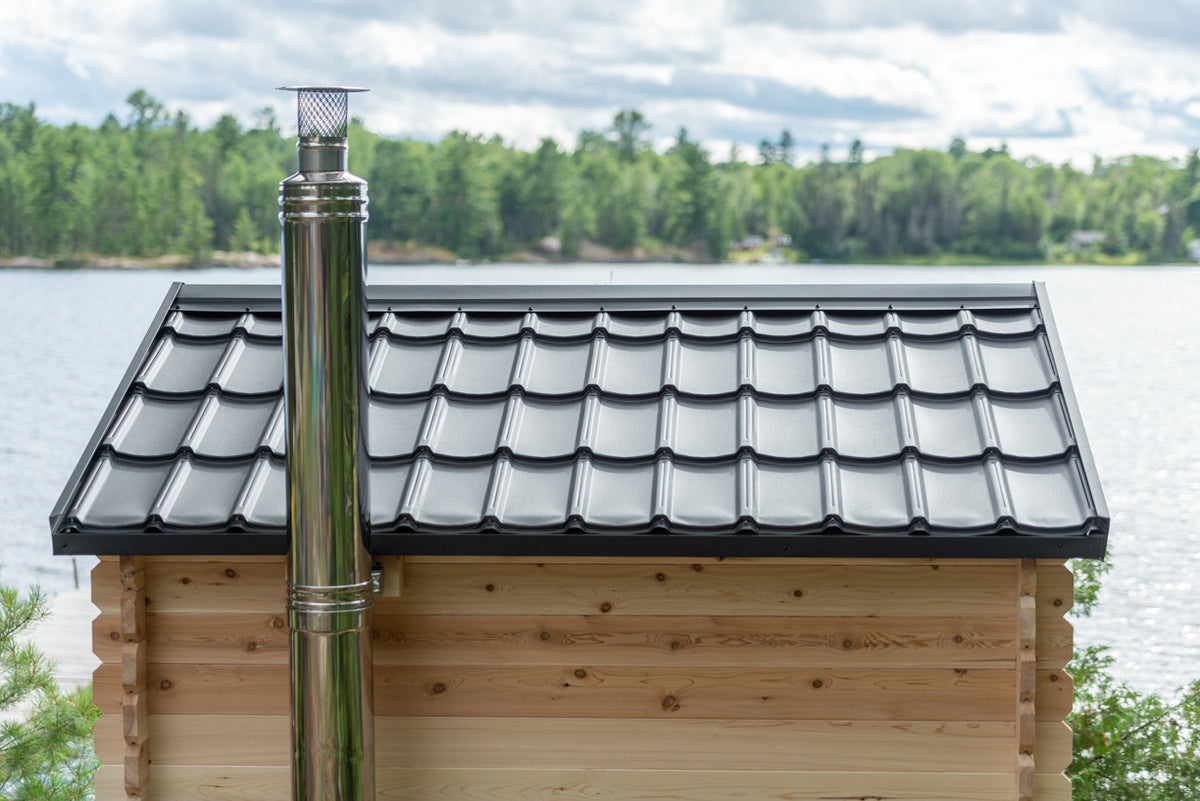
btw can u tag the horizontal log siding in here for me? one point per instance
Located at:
(512, 678)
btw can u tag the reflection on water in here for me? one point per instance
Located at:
(1131, 335)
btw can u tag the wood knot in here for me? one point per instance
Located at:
(114, 635)
(660, 576)
(375, 634)
(581, 674)
(185, 580)
(961, 671)
(847, 644)
(1057, 601)
(676, 645)
(545, 635)
(606, 607)
(230, 572)
(817, 684)
(958, 638)
(277, 622)
(490, 588)
(1053, 677)
(698, 568)
(166, 684)
(252, 646)
(438, 688)
(670, 703)
(797, 593)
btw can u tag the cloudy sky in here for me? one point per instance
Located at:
(1056, 79)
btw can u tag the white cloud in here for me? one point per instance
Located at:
(1048, 78)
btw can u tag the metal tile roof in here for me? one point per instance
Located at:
(849, 421)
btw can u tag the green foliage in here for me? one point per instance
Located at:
(154, 183)
(45, 742)
(1128, 745)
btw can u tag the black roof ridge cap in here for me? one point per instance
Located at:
(1023, 293)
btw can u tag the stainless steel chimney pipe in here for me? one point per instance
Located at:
(323, 214)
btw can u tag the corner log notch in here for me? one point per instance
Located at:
(134, 703)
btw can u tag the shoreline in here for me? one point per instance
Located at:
(595, 254)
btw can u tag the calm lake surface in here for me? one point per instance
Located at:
(1131, 335)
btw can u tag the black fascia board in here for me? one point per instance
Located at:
(718, 544)
(67, 497)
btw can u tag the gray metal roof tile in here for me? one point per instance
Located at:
(632, 368)
(556, 368)
(947, 427)
(1016, 365)
(405, 368)
(229, 427)
(885, 412)
(151, 427)
(937, 367)
(625, 429)
(178, 367)
(482, 368)
(708, 369)
(546, 429)
(395, 426)
(860, 368)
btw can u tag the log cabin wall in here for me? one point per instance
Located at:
(622, 678)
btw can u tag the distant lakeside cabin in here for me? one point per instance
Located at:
(779, 542)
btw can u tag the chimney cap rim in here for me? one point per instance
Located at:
(346, 89)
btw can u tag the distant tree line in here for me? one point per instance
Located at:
(153, 183)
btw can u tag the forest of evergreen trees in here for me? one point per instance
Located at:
(153, 184)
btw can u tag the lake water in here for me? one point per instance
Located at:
(1131, 336)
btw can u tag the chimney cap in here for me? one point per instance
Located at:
(322, 112)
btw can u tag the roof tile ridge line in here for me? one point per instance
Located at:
(376, 356)
(168, 494)
(747, 322)
(448, 360)
(580, 494)
(664, 489)
(823, 361)
(415, 485)
(234, 348)
(906, 418)
(747, 359)
(510, 422)
(432, 422)
(667, 432)
(597, 364)
(747, 422)
(914, 490)
(671, 360)
(589, 421)
(276, 428)
(998, 489)
(747, 489)
(499, 483)
(72, 488)
(522, 366)
(827, 440)
(244, 323)
(1067, 390)
(985, 421)
(897, 359)
(123, 417)
(831, 489)
(200, 421)
(973, 356)
(248, 498)
(1075, 462)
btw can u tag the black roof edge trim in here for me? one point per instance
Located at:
(1075, 417)
(996, 546)
(114, 405)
